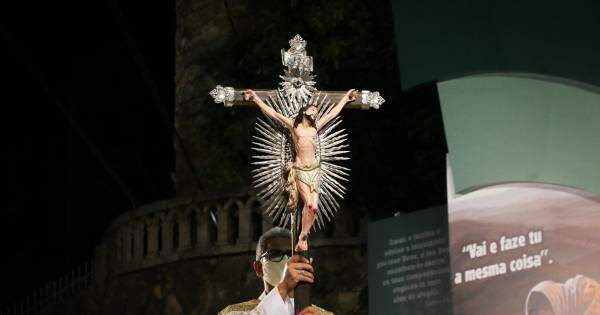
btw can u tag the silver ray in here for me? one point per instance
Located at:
(275, 151)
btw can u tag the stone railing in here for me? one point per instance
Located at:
(175, 229)
(53, 292)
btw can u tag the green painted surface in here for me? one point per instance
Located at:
(424, 234)
(439, 40)
(502, 128)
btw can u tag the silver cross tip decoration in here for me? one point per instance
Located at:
(223, 95)
(373, 99)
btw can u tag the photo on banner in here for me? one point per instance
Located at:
(525, 248)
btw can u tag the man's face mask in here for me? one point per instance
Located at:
(273, 265)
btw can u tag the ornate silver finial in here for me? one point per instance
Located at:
(295, 57)
(297, 84)
(298, 44)
(223, 95)
(373, 99)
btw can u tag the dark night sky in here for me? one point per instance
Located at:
(57, 197)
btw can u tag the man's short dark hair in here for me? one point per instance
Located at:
(272, 233)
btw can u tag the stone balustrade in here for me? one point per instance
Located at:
(172, 230)
(53, 292)
(176, 229)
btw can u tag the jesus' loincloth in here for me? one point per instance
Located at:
(308, 174)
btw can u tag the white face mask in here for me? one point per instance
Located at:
(273, 271)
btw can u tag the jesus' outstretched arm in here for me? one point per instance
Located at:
(251, 95)
(350, 96)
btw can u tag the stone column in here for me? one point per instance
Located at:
(139, 240)
(245, 224)
(185, 233)
(126, 232)
(167, 232)
(118, 248)
(203, 227)
(152, 224)
(223, 225)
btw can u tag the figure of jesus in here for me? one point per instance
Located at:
(304, 176)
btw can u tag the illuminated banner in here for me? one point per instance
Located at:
(525, 249)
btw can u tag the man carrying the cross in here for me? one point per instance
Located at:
(280, 274)
(304, 174)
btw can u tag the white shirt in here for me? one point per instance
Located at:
(273, 304)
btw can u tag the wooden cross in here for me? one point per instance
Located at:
(298, 75)
(230, 96)
(298, 89)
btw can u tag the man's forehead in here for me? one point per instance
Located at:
(279, 243)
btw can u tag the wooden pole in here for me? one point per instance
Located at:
(302, 291)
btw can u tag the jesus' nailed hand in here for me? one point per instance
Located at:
(304, 175)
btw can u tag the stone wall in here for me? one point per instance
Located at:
(206, 285)
(154, 261)
(170, 257)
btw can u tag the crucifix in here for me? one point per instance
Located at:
(299, 144)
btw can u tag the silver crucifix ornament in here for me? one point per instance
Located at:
(298, 82)
(296, 57)
(273, 143)
(223, 95)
